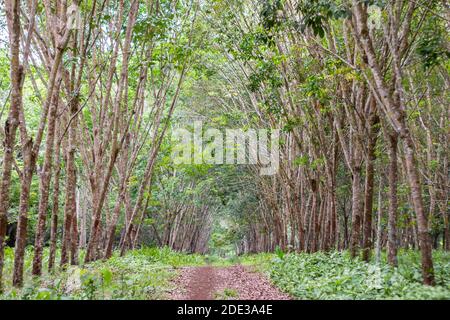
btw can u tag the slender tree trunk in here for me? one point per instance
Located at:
(55, 206)
(16, 73)
(71, 180)
(368, 197)
(81, 213)
(30, 153)
(314, 218)
(46, 177)
(396, 114)
(22, 222)
(446, 232)
(422, 221)
(379, 222)
(74, 240)
(356, 209)
(392, 219)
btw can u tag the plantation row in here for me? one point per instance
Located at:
(91, 93)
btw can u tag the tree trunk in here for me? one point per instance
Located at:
(46, 177)
(22, 222)
(71, 181)
(422, 221)
(356, 209)
(379, 222)
(395, 111)
(55, 207)
(16, 73)
(392, 214)
(368, 197)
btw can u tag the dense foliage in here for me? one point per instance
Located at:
(354, 93)
(140, 274)
(336, 275)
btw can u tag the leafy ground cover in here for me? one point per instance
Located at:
(148, 273)
(337, 276)
(140, 274)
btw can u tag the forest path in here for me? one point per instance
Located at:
(236, 283)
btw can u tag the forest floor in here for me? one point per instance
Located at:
(228, 283)
(160, 273)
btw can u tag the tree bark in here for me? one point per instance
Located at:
(356, 207)
(369, 182)
(55, 206)
(16, 73)
(396, 114)
(46, 177)
(392, 213)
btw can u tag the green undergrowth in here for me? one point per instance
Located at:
(140, 274)
(337, 276)
(147, 273)
(226, 294)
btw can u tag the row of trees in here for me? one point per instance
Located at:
(360, 89)
(92, 88)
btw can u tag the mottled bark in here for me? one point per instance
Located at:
(392, 213)
(379, 231)
(395, 111)
(356, 211)
(70, 205)
(117, 141)
(369, 182)
(46, 176)
(30, 151)
(75, 240)
(12, 8)
(55, 206)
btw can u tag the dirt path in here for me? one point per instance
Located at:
(236, 283)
